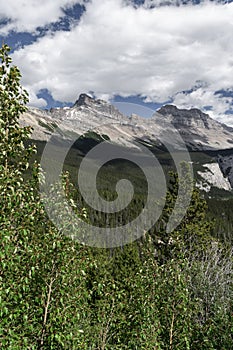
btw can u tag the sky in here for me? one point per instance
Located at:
(150, 52)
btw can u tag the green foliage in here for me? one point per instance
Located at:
(194, 232)
(14, 158)
(41, 270)
(13, 101)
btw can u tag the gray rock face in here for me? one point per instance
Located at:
(183, 118)
(226, 165)
(213, 176)
(199, 131)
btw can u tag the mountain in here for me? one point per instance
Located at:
(199, 132)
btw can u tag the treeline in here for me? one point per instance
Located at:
(164, 291)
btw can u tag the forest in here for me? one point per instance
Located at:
(164, 291)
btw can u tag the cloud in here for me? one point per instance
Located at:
(205, 99)
(158, 3)
(35, 100)
(117, 49)
(28, 15)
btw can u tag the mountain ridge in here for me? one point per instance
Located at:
(198, 130)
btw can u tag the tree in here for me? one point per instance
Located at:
(14, 157)
(194, 230)
(40, 269)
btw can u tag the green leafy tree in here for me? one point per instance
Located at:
(14, 157)
(42, 272)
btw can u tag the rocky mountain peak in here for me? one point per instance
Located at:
(87, 106)
(183, 118)
(168, 109)
(84, 99)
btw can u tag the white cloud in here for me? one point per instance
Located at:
(34, 100)
(28, 15)
(158, 3)
(117, 49)
(202, 98)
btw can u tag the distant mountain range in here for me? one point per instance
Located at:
(197, 129)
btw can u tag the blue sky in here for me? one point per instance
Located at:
(149, 52)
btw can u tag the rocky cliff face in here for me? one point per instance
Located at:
(183, 118)
(226, 165)
(199, 131)
(213, 176)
